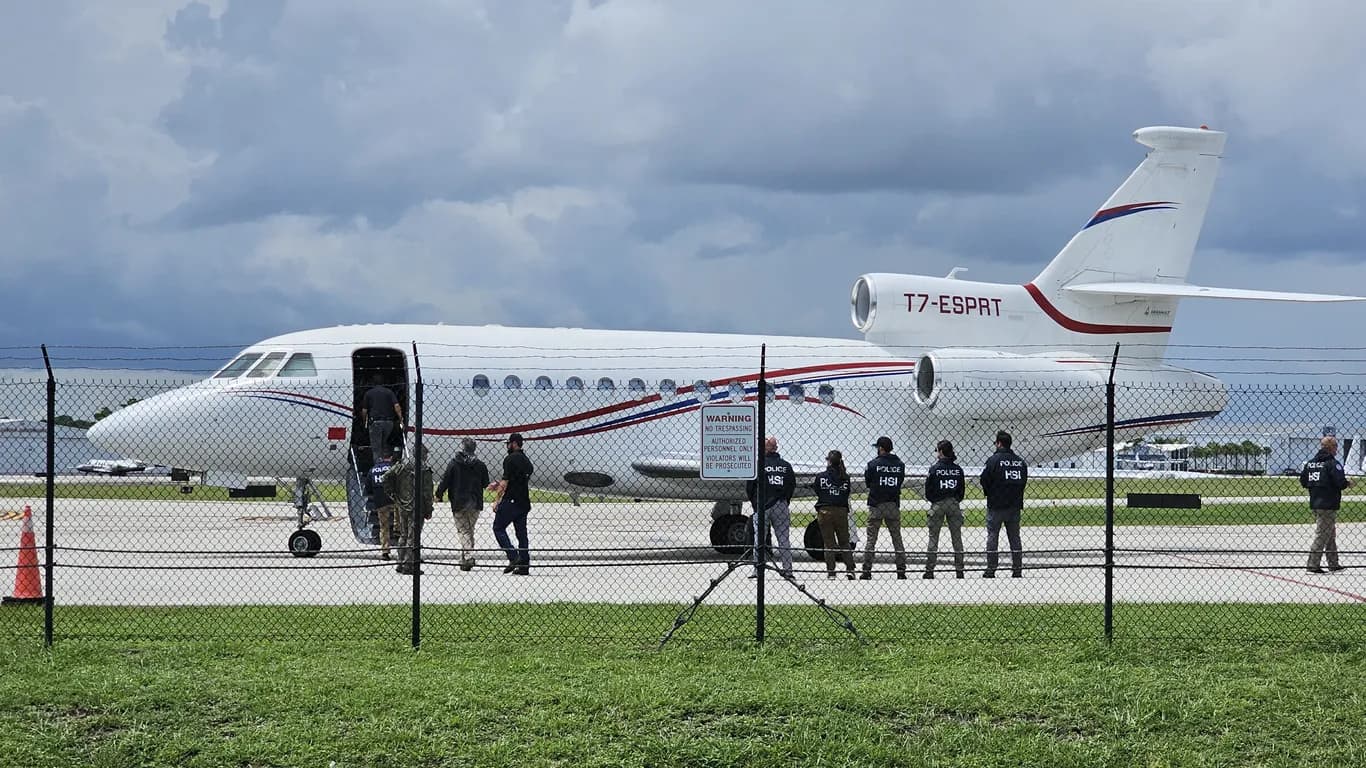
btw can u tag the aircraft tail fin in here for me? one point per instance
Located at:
(1146, 231)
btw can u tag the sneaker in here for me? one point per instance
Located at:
(1336, 568)
(866, 577)
(830, 576)
(850, 576)
(901, 574)
(988, 574)
(384, 556)
(467, 565)
(509, 568)
(928, 575)
(1016, 575)
(958, 575)
(523, 571)
(1314, 570)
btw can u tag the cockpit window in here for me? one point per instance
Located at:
(301, 364)
(236, 367)
(267, 366)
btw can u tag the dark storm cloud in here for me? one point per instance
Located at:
(224, 171)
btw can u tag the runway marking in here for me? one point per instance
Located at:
(1301, 582)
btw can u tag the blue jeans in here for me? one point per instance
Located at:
(507, 514)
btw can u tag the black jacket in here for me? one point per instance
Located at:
(1324, 478)
(779, 480)
(831, 491)
(465, 478)
(1003, 479)
(374, 485)
(884, 476)
(944, 479)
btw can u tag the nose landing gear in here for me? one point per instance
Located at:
(303, 542)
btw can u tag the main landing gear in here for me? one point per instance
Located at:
(731, 532)
(303, 542)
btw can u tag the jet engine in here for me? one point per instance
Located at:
(985, 384)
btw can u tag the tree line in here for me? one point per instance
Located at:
(66, 420)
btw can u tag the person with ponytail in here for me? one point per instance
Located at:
(832, 513)
(944, 489)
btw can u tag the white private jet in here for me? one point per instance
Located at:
(115, 467)
(613, 411)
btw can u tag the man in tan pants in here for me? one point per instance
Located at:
(465, 478)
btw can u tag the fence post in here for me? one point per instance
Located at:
(419, 502)
(1110, 502)
(760, 513)
(50, 482)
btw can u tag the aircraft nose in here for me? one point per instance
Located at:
(132, 431)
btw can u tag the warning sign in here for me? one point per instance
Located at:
(729, 442)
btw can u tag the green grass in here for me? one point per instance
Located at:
(501, 700)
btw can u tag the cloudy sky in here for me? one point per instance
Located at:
(212, 173)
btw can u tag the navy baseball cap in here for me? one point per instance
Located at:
(883, 442)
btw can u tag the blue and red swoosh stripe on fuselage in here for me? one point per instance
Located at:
(1142, 421)
(830, 372)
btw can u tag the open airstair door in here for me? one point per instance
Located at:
(364, 521)
(370, 366)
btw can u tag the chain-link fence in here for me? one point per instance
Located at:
(245, 506)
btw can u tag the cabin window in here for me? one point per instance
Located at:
(512, 382)
(770, 393)
(544, 382)
(606, 385)
(480, 385)
(668, 389)
(826, 392)
(701, 390)
(736, 390)
(637, 386)
(574, 383)
(301, 364)
(236, 367)
(796, 393)
(267, 366)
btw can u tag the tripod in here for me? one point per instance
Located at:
(837, 616)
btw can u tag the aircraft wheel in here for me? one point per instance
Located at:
(732, 534)
(305, 543)
(813, 541)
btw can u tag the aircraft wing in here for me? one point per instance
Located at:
(1184, 291)
(688, 466)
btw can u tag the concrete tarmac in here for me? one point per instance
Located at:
(215, 553)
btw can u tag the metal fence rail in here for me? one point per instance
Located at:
(1205, 531)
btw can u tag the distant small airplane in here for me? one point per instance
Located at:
(115, 467)
(616, 411)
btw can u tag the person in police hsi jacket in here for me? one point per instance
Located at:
(1003, 480)
(1324, 478)
(832, 513)
(779, 484)
(884, 476)
(944, 490)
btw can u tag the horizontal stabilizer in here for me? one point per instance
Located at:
(1183, 291)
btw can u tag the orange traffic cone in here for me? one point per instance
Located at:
(27, 587)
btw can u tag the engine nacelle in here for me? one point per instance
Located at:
(916, 310)
(985, 384)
